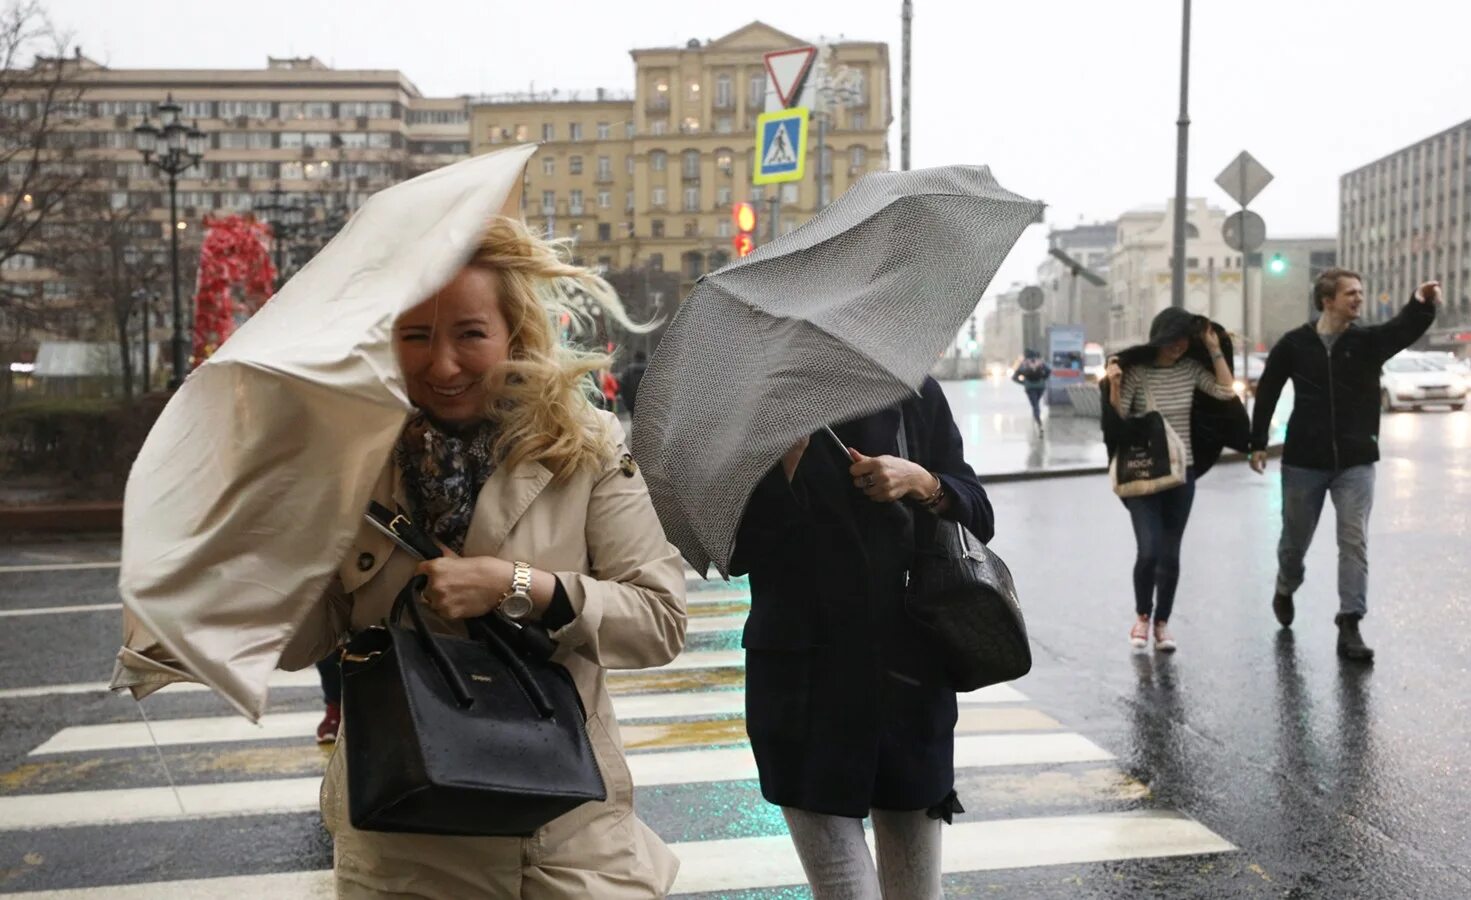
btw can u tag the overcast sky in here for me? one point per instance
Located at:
(1070, 101)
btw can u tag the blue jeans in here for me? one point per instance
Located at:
(1034, 396)
(1303, 491)
(1159, 530)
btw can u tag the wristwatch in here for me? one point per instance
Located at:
(516, 603)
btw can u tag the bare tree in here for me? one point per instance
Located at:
(40, 95)
(113, 258)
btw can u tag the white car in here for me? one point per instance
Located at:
(1411, 381)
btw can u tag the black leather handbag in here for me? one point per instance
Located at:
(962, 595)
(456, 736)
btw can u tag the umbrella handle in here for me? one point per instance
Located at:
(836, 442)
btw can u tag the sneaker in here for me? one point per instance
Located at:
(1282, 606)
(1351, 644)
(1163, 640)
(1139, 634)
(327, 730)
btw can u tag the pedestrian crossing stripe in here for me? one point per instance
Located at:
(781, 146)
(771, 862)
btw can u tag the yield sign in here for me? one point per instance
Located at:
(788, 69)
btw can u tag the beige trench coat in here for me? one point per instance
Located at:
(598, 532)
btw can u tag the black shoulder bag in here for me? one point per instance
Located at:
(445, 735)
(963, 596)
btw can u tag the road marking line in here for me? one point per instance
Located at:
(767, 862)
(277, 726)
(57, 610)
(29, 812)
(58, 567)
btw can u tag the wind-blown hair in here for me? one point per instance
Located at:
(540, 397)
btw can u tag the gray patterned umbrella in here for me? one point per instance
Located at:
(840, 318)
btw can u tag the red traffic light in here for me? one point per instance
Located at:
(744, 216)
(743, 244)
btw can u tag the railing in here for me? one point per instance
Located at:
(556, 95)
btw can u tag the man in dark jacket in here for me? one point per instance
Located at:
(632, 376)
(1332, 436)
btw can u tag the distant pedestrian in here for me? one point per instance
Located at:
(1332, 436)
(329, 670)
(1032, 375)
(632, 376)
(1183, 374)
(849, 711)
(608, 386)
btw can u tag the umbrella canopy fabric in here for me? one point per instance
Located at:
(252, 483)
(838, 319)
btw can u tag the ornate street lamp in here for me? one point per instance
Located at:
(173, 148)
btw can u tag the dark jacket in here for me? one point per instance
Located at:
(1214, 424)
(633, 376)
(846, 706)
(1033, 378)
(1335, 405)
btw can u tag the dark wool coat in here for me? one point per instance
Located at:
(846, 706)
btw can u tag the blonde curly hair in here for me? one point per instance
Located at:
(540, 398)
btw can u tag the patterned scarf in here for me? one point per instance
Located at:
(444, 470)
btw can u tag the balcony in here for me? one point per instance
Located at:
(657, 103)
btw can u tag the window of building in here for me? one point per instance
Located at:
(858, 120)
(658, 159)
(548, 202)
(549, 165)
(723, 228)
(605, 199)
(658, 198)
(548, 131)
(724, 91)
(629, 129)
(628, 164)
(724, 160)
(691, 199)
(722, 197)
(198, 109)
(380, 140)
(690, 125)
(724, 125)
(758, 193)
(318, 139)
(790, 193)
(756, 90)
(605, 168)
(690, 162)
(574, 205)
(857, 157)
(256, 109)
(628, 201)
(605, 131)
(659, 126)
(605, 233)
(291, 170)
(574, 131)
(656, 228)
(656, 260)
(384, 111)
(574, 165)
(353, 140)
(289, 139)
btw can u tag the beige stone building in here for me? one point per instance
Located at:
(648, 177)
(327, 138)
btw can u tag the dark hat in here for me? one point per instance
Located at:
(1031, 354)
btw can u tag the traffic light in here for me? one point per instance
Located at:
(744, 216)
(1277, 265)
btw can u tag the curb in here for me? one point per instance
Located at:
(107, 517)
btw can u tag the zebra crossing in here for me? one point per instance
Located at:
(238, 800)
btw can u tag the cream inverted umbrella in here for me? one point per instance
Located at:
(252, 484)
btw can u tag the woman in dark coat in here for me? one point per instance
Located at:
(846, 706)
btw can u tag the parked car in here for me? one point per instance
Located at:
(1094, 362)
(1415, 381)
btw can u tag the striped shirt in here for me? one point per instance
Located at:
(1174, 390)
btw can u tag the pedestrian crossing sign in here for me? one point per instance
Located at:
(781, 146)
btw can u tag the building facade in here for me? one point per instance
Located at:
(1091, 246)
(648, 177)
(1406, 218)
(296, 132)
(1286, 269)
(1003, 329)
(1140, 273)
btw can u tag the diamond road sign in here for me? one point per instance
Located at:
(1244, 178)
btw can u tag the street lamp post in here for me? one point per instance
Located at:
(172, 148)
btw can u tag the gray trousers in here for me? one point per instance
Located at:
(1303, 491)
(835, 855)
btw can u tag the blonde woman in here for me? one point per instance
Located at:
(505, 460)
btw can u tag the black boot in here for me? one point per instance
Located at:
(1350, 643)
(1282, 606)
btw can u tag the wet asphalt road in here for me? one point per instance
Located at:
(1331, 780)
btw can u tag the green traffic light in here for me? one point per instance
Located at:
(1278, 265)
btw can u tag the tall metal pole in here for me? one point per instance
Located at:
(775, 209)
(180, 360)
(1177, 281)
(821, 146)
(908, 17)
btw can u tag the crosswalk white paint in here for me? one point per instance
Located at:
(276, 726)
(692, 660)
(25, 812)
(770, 862)
(59, 610)
(58, 567)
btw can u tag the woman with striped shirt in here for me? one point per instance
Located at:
(1164, 375)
